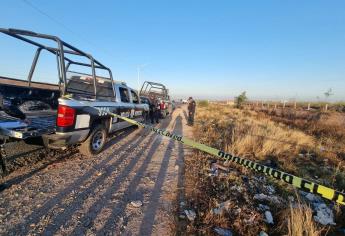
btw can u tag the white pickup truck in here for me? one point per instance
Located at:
(64, 113)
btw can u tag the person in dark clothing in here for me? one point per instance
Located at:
(191, 110)
(154, 110)
(158, 111)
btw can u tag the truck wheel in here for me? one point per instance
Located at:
(95, 142)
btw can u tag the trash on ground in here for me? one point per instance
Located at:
(218, 166)
(263, 233)
(269, 217)
(263, 207)
(313, 198)
(136, 203)
(223, 206)
(324, 215)
(264, 197)
(190, 214)
(222, 231)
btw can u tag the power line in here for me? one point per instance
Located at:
(34, 7)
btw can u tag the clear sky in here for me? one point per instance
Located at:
(206, 49)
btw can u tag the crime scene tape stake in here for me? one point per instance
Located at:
(297, 182)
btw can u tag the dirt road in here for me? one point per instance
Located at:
(97, 196)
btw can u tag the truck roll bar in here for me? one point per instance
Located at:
(60, 52)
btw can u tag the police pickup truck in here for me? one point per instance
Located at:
(161, 93)
(75, 109)
(89, 122)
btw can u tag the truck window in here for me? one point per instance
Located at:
(105, 89)
(134, 97)
(124, 94)
(80, 83)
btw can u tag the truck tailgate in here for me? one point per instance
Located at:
(33, 127)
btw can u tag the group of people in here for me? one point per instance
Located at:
(155, 110)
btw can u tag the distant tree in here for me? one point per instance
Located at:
(328, 93)
(240, 99)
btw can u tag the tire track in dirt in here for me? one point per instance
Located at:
(119, 209)
(36, 215)
(76, 205)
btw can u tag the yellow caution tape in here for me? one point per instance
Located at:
(305, 185)
(297, 182)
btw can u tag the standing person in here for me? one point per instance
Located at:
(147, 113)
(152, 107)
(191, 110)
(158, 110)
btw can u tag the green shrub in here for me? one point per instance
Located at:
(203, 103)
(241, 99)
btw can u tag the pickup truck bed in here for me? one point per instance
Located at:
(38, 103)
(33, 127)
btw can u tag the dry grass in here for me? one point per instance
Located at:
(300, 221)
(249, 134)
(328, 127)
(242, 133)
(255, 136)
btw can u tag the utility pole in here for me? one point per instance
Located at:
(138, 78)
(139, 67)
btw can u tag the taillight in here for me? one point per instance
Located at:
(65, 116)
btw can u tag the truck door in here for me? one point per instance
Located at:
(126, 106)
(138, 108)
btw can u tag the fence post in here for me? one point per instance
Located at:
(275, 106)
(326, 107)
(295, 105)
(308, 107)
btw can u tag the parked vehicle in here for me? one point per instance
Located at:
(62, 114)
(159, 91)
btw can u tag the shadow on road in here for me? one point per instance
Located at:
(57, 200)
(119, 208)
(61, 157)
(147, 223)
(88, 218)
(78, 193)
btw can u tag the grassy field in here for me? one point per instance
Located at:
(309, 146)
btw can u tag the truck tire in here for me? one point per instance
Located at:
(94, 144)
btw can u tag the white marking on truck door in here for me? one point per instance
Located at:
(83, 121)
